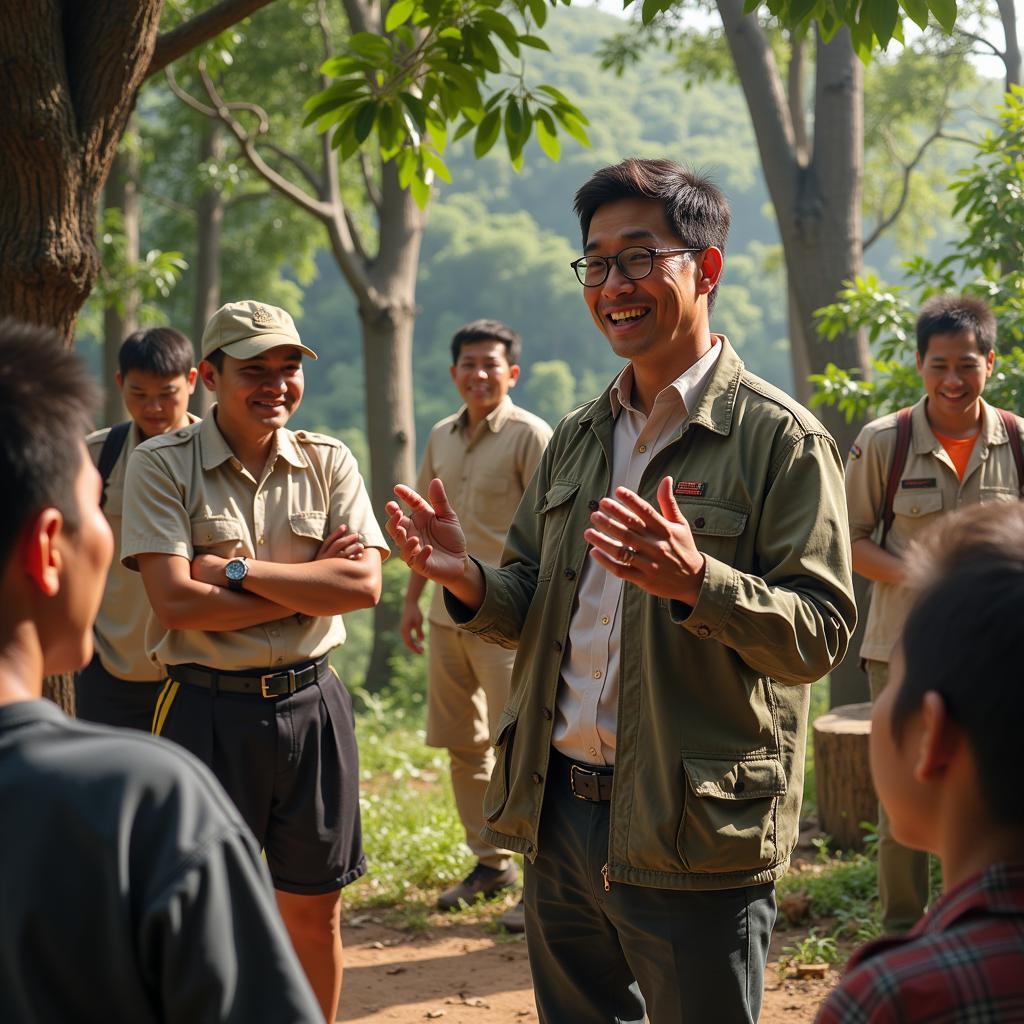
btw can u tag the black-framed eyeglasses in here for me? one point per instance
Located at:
(635, 262)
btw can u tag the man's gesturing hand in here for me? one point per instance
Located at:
(635, 542)
(429, 538)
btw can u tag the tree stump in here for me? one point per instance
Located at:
(846, 795)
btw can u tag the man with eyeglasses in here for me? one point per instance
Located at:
(677, 570)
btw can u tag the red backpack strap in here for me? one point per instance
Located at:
(1013, 434)
(899, 460)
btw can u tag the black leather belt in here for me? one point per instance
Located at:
(591, 784)
(262, 684)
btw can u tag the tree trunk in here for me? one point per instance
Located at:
(120, 193)
(842, 774)
(210, 212)
(1011, 52)
(387, 362)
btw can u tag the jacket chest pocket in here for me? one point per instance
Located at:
(728, 821)
(219, 535)
(305, 535)
(554, 509)
(916, 505)
(716, 528)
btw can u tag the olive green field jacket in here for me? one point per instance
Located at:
(712, 714)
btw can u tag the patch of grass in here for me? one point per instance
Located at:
(812, 949)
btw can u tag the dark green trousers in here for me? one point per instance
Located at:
(602, 957)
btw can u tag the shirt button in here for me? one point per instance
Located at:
(604, 620)
(263, 540)
(537, 778)
(740, 786)
(703, 632)
(569, 573)
(546, 712)
(642, 448)
(699, 522)
(591, 751)
(597, 673)
(913, 511)
(593, 505)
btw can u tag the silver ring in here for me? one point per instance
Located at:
(627, 554)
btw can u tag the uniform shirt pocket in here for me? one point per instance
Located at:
(219, 535)
(554, 508)
(917, 504)
(306, 534)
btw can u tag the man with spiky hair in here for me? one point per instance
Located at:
(677, 571)
(132, 891)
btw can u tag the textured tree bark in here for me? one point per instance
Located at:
(842, 775)
(210, 213)
(121, 193)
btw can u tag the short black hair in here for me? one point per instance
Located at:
(956, 314)
(216, 359)
(695, 208)
(160, 350)
(48, 403)
(963, 639)
(488, 330)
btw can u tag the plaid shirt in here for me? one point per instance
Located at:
(964, 962)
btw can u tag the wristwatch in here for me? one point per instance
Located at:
(236, 570)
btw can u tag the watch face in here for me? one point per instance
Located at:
(235, 570)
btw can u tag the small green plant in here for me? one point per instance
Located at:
(814, 948)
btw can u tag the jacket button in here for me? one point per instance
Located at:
(537, 778)
(593, 505)
(569, 573)
(557, 645)
(703, 632)
(740, 786)
(546, 712)
(699, 522)
(181, 433)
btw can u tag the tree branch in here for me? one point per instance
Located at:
(984, 42)
(190, 34)
(299, 164)
(372, 191)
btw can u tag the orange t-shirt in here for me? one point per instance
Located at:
(958, 449)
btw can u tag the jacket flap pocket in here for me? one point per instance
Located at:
(216, 530)
(917, 503)
(308, 524)
(508, 719)
(729, 779)
(713, 520)
(557, 494)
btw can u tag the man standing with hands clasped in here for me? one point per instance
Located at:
(678, 567)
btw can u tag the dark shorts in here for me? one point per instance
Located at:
(101, 697)
(291, 766)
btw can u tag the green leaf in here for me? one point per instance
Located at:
(539, 11)
(438, 132)
(555, 94)
(398, 14)
(336, 67)
(800, 9)
(437, 165)
(416, 108)
(371, 46)
(535, 41)
(407, 165)
(945, 12)
(572, 126)
(365, 117)
(547, 137)
(884, 15)
(487, 133)
(420, 191)
(483, 48)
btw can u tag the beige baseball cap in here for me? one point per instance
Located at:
(248, 328)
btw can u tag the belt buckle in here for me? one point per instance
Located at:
(277, 675)
(573, 770)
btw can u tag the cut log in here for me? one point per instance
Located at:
(846, 796)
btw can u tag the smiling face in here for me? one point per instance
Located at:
(156, 403)
(483, 376)
(659, 319)
(256, 396)
(954, 372)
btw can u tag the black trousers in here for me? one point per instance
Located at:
(602, 957)
(101, 697)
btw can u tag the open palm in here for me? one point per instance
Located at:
(429, 536)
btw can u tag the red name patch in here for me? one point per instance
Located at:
(691, 488)
(918, 483)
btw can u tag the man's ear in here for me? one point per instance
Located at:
(513, 374)
(40, 558)
(711, 264)
(208, 375)
(940, 739)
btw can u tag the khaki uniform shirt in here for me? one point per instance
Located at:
(484, 476)
(186, 494)
(928, 487)
(588, 699)
(120, 627)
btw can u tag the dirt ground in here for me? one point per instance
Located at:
(466, 973)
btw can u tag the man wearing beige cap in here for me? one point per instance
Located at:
(252, 541)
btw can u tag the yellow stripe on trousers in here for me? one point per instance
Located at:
(163, 705)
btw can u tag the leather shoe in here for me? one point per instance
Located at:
(514, 919)
(480, 883)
